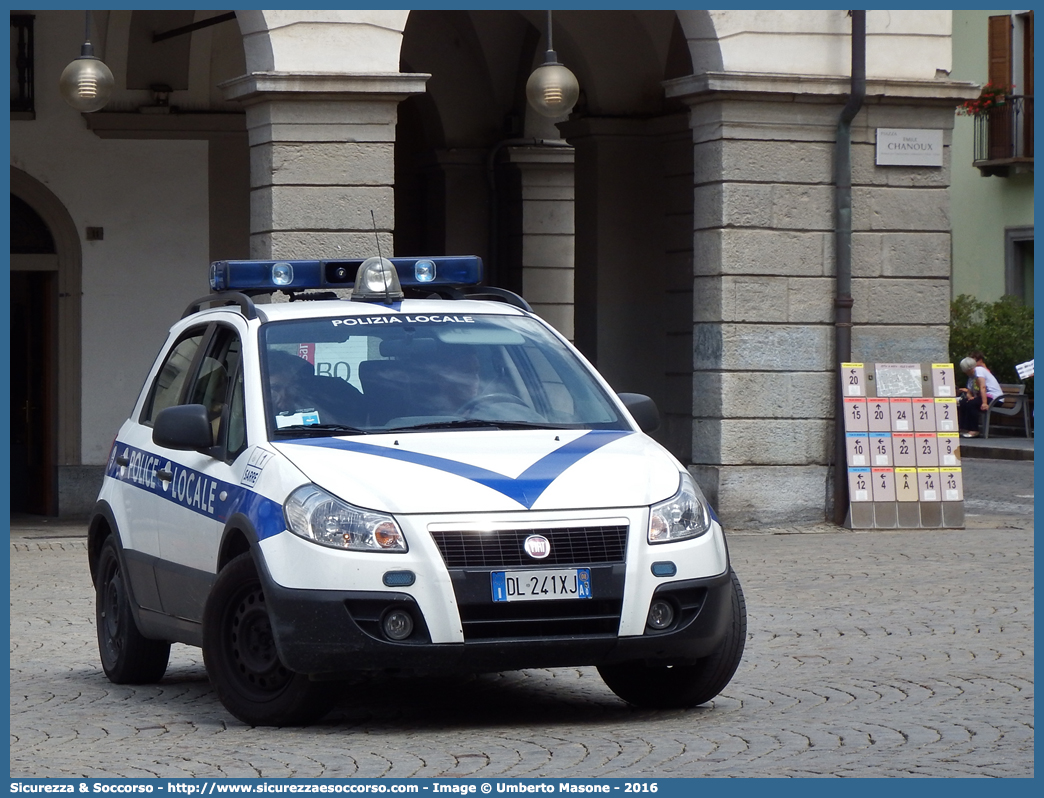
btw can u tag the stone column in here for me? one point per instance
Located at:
(630, 185)
(763, 275)
(321, 159)
(463, 197)
(546, 177)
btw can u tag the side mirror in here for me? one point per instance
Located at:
(643, 409)
(184, 427)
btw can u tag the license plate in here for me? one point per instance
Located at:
(574, 583)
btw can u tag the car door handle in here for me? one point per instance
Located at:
(122, 460)
(166, 476)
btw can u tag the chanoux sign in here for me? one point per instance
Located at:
(904, 147)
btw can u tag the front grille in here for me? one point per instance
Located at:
(586, 545)
(579, 618)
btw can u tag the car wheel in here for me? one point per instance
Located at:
(240, 654)
(682, 686)
(127, 656)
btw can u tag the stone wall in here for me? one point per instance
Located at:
(763, 276)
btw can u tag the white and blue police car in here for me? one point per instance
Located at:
(422, 478)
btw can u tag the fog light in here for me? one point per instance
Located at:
(661, 615)
(398, 625)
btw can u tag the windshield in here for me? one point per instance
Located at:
(401, 372)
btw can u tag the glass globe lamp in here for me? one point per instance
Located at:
(87, 83)
(552, 89)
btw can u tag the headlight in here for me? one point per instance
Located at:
(686, 515)
(315, 515)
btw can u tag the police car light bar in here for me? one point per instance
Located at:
(300, 275)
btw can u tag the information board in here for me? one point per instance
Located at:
(902, 445)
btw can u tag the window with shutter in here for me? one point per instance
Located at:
(1004, 131)
(999, 74)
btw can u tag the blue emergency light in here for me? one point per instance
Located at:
(300, 275)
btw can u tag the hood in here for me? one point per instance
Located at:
(489, 470)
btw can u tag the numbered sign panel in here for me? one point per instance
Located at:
(857, 445)
(855, 414)
(951, 484)
(906, 484)
(928, 483)
(949, 449)
(904, 450)
(925, 444)
(853, 379)
(923, 415)
(883, 482)
(881, 449)
(942, 380)
(877, 418)
(859, 485)
(901, 412)
(946, 415)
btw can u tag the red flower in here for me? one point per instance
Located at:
(991, 96)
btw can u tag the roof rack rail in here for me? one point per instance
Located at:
(245, 303)
(480, 291)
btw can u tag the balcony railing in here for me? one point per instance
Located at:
(22, 103)
(1004, 136)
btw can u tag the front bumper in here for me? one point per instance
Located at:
(327, 633)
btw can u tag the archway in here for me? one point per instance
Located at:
(596, 235)
(45, 318)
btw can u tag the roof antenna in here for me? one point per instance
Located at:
(377, 238)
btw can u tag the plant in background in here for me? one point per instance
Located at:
(993, 95)
(1002, 331)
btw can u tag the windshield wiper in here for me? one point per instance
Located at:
(318, 430)
(472, 423)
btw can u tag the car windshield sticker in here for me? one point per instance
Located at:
(433, 318)
(525, 489)
(303, 419)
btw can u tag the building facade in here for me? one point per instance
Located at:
(992, 184)
(678, 225)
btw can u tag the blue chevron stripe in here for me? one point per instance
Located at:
(524, 489)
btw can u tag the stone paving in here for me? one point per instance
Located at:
(906, 653)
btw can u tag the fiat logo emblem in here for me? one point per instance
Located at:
(537, 546)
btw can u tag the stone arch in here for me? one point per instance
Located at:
(303, 42)
(497, 184)
(702, 38)
(67, 246)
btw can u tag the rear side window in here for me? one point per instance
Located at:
(170, 381)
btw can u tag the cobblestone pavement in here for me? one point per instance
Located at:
(868, 654)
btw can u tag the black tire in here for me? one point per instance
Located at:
(240, 654)
(653, 686)
(127, 657)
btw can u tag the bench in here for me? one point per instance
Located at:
(1010, 403)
